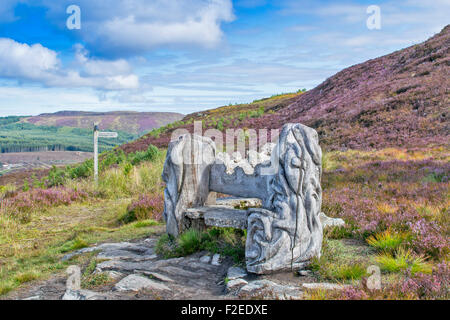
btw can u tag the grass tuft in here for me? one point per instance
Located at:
(388, 241)
(27, 276)
(403, 260)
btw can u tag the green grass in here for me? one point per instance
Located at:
(23, 137)
(225, 241)
(388, 241)
(95, 280)
(403, 260)
(34, 250)
(75, 244)
(146, 223)
(190, 242)
(89, 280)
(340, 262)
(348, 272)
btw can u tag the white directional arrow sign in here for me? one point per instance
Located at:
(100, 134)
(107, 134)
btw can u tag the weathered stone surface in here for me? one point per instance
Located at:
(114, 248)
(187, 277)
(257, 285)
(216, 260)
(286, 232)
(205, 259)
(124, 266)
(119, 254)
(324, 286)
(235, 273)
(196, 265)
(218, 216)
(242, 202)
(304, 273)
(175, 271)
(155, 275)
(82, 295)
(270, 290)
(330, 222)
(186, 174)
(235, 284)
(135, 283)
(114, 275)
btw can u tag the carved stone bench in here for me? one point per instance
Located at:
(217, 216)
(286, 231)
(223, 214)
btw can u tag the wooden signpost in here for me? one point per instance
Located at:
(100, 134)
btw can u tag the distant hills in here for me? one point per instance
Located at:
(398, 100)
(72, 130)
(126, 121)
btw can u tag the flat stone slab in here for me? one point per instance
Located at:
(324, 286)
(156, 275)
(121, 254)
(270, 290)
(205, 259)
(243, 202)
(219, 216)
(235, 284)
(114, 250)
(236, 273)
(134, 282)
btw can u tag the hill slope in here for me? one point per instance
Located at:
(131, 122)
(401, 99)
(72, 130)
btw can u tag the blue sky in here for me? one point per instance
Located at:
(189, 55)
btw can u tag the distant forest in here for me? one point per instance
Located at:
(16, 136)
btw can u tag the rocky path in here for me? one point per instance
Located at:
(136, 272)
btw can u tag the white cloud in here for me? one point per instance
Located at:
(136, 26)
(22, 62)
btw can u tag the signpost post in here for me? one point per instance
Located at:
(99, 134)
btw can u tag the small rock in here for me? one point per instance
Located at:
(256, 285)
(235, 273)
(216, 260)
(330, 222)
(324, 286)
(33, 298)
(235, 284)
(304, 273)
(135, 283)
(205, 259)
(271, 290)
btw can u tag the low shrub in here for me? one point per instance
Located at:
(40, 199)
(146, 207)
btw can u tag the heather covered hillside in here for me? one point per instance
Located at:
(401, 99)
(131, 122)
